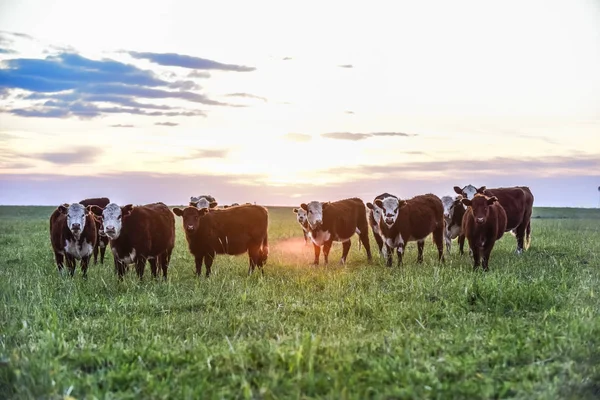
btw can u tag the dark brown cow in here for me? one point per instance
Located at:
(233, 231)
(517, 203)
(454, 210)
(483, 224)
(138, 234)
(102, 240)
(374, 216)
(73, 235)
(337, 221)
(411, 220)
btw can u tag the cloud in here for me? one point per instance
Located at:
(286, 59)
(349, 112)
(184, 61)
(166, 123)
(82, 155)
(297, 137)
(7, 51)
(204, 153)
(346, 66)
(72, 86)
(362, 136)
(199, 74)
(247, 96)
(122, 126)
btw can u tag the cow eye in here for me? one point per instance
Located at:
(119, 217)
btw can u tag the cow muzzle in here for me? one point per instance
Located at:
(190, 228)
(480, 220)
(110, 231)
(389, 221)
(75, 228)
(446, 215)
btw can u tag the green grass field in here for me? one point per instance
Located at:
(529, 328)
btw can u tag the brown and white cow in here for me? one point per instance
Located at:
(73, 234)
(517, 203)
(203, 201)
(102, 239)
(414, 219)
(138, 234)
(454, 210)
(483, 224)
(337, 221)
(374, 217)
(302, 219)
(233, 231)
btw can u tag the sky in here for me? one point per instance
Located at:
(281, 103)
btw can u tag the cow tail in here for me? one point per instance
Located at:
(264, 252)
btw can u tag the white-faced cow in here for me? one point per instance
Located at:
(302, 219)
(337, 221)
(454, 211)
(203, 201)
(374, 217)
(73, 234)
(233, 231)
(411, 220)
(138, 234)
(517, 202)
(102, 240)
(483, 224)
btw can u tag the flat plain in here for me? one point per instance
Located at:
(529, 328)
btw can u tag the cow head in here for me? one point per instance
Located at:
(375, 211)
(314, 213)
(191, 217)
(450, 204)
(113, 217)
(390, 207)
(469, 191)
(76, 216)
(97, 213)
(203, 201)
(481, 207)
(301, 215)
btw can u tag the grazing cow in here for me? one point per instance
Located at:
(517, 203)
(203, 201)
(302, 219)
(233, 231)
(139, 233)
(374, 216)
(337, 221)
(454, 211)
(483, 224)
(411, 220)
(102, 239)
(73, 236)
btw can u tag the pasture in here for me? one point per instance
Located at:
(528, 328)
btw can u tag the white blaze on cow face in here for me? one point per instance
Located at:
(112, 220)
(390, 207)
(76, 214)
(469, 191)
(314, 213)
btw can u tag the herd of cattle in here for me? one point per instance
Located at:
(146, 233)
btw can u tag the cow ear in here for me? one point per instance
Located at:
(325, 205)
(466, 202)
(178, 211)
(401, 203)
(63, 208)
(225, 206)
(492, 200)
(481, 190)
(379, 203)
(97, 210)
(457, 190)
(126, 210)
(203, 211)
(213, 204)
(295, 210)
(304, 206)
(370, 206)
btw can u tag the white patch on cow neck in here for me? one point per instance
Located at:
(76, 214)
(130, 258)
(320, 237)
(470, 191)
(395, 242)
(111, 217)
(314, 213)
(453, 232)
(391, 206)
(73, 248)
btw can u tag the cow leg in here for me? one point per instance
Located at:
(326, 249)
(448, 241)
(102, 253)
(164, 263)
(119, 268)
(438, 239)
(461, 243)
(96, 246)
(420, 247)
(487, 251)
(364, 239)
(317, 253)
(153, 267)
(399, 253)
(198, 260)
(208, 261)
(345, 251)
(306, 240)
(140, 265)
(476, 257)
(70, 264)
(528, 235)
(60, 261)
(390, 255)
(520, 233)
(379, 242)
(85, 262)
(252, 258)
